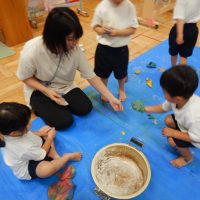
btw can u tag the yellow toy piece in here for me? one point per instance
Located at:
(149, 82)
(137, 71)
(123, 133)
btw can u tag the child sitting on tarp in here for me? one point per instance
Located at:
(29, 154)
(183, 126)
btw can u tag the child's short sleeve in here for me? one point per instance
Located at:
(97, 20)
(34, 153)
(179, 10)
(133, 17)
(166, 106)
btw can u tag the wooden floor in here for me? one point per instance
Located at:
(144, 39)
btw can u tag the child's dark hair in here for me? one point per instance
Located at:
(13, 117)
(180, 80)
(60, 22)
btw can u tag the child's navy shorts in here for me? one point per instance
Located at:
(190, 38)
(111, 59)
(32, 165)
(180, 143)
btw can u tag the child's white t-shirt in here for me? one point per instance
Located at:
(119, 17)
(19, 150)
(187, 10)
(188, 117)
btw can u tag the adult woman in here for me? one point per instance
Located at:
(48, 65)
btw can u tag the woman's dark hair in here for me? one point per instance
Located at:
(60, 22)
(13, 117)
(180, 80)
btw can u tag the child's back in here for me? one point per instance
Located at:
(19, 150)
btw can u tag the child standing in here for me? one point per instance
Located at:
(183, 126)
(114, 22)
(30, 155)
(184, 33)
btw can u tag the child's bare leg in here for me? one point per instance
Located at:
(47, 168)
(105, 81)
(183, 61)
(185, 158)
(53, 153)
(174, 60)
(122, 94)
(171, 142)
(170, 122)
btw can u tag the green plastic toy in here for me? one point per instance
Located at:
(138, 106)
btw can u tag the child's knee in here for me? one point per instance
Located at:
(169, 121)
(45, 169)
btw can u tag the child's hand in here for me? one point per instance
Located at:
(102, 30)
(113, 32)
(179, 39)
(51, 133)
(44, 131)
(107, 30)
(168, 132)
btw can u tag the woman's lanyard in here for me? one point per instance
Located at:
(54, 75)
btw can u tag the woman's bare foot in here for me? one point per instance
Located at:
(104, 99)
(76, 156)
(122, 95)
(181, 161)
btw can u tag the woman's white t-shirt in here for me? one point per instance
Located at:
(37, 61)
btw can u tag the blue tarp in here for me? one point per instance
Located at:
(104, 126)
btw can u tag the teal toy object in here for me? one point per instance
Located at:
(151, 65)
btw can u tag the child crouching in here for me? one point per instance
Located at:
(183, 126)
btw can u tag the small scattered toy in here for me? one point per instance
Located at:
(137, 71)
(151, 65)
(149, 82)
(138, 106)
(154, 120)
(123, 133)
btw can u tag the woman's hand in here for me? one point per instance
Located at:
(52, 95)
(56, 97)
(116, 104)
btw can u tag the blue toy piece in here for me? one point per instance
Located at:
(151, 65)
